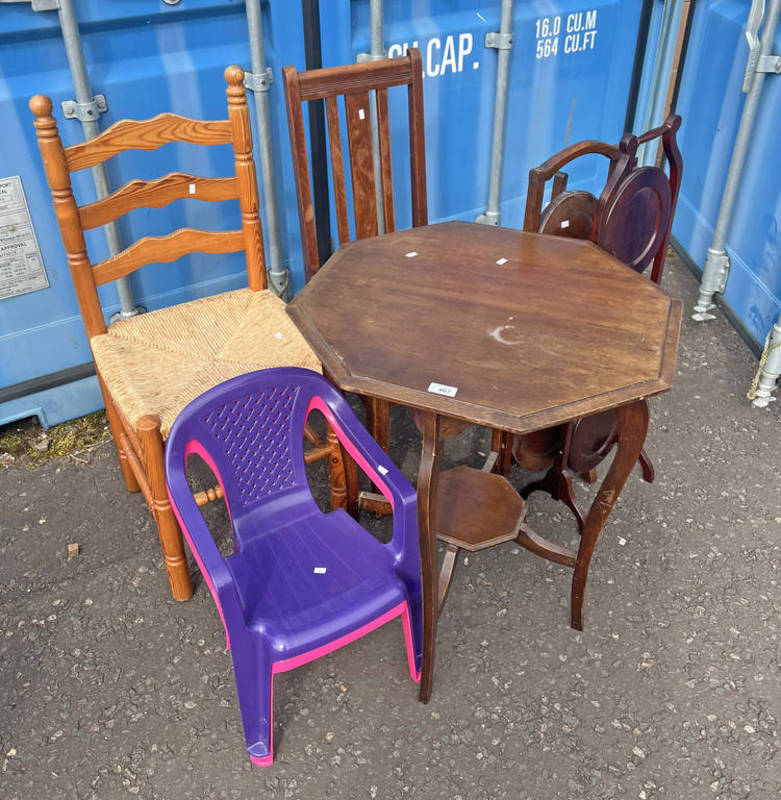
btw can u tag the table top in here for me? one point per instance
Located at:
(529, 330)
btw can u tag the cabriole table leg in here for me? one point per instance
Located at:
(632, 423)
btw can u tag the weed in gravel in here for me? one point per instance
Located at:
(27, 444)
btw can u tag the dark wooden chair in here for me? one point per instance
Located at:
(152, 365)
(363, 89)
(631, 220)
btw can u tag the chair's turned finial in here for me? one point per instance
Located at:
(235, 77)
(41, 105)
(45, 124)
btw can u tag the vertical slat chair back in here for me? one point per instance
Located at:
(358, 84)
(59, 162)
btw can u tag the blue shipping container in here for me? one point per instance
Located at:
(570, 71)
(711, 102)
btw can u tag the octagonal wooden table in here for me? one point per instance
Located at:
(516, 331)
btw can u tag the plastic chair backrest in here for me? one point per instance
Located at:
(249, 431)
(251, 435)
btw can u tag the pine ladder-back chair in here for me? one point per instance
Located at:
(151, 365)
(354, 83)
(631, 220)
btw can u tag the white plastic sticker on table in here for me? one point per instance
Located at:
(443, 389)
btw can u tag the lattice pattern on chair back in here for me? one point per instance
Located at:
(254, 434)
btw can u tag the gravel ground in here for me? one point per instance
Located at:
(110, 688)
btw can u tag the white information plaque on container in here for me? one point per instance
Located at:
(21, 265)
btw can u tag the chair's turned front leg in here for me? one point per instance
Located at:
(167, 526)
(428, 477)
(632, 424)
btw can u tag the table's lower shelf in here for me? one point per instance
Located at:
(476, 509)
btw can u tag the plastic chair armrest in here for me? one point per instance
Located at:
(210, 561)
(376, 463)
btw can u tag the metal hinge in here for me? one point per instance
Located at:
(757, 63)
(722, 266)
(259, 81)
(39, 5)
(489, 218)
(769, 64)
(362, 58)
(85, 112)
(755, 14)
(501, 41)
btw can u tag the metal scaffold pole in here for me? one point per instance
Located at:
(259, 83)
(760, 63)
(503, 42)
(87, 109)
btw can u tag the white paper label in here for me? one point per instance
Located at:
(21, 264)
(382, 470)
(361, 114)
(443, 389)
(564, 223)
(411, 254)
(501, 262)
(320, 570)
(192, 188)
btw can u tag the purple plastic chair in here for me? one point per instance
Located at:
(299, 583)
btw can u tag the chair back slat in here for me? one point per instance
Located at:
(386, 172)
(417, 141)
(359, 137)
(364, 89)
(165, 249)
(156, 194)
(559, 184)
(351, 78)
(148, 134)
(306, 212)
(337, 169)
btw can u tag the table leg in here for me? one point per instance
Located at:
(428, 476)
(502, 445)
(647, 466)
(446, 574)
(632, 424)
